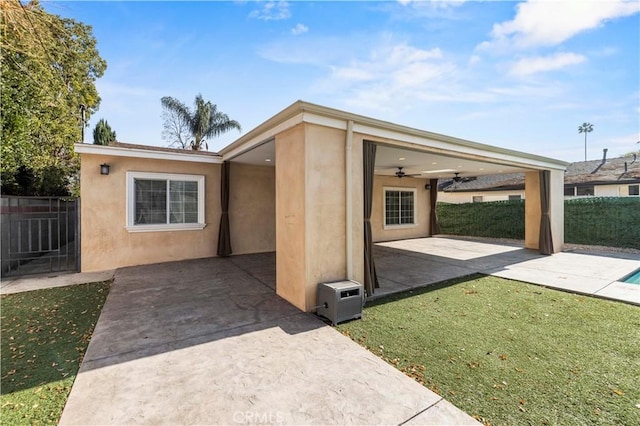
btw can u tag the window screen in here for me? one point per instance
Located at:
(399, 207)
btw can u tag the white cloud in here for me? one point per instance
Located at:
(537, 64)
(436, 4)
(390, 73)
(474, 59)
(299, 29)
(549, 23)
(272, 11)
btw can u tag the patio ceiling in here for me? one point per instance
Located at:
(430, 165)
(388, 158)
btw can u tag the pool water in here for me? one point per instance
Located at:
(633, 278)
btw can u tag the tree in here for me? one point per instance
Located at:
(102, 133)
(585, 128)
(188, 128)
(49, 65)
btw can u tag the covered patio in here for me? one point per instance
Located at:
(333, 183)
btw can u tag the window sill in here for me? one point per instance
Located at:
(164, 228)
(393, 227)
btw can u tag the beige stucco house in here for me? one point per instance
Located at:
(301, 184)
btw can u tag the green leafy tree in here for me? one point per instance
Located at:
(102, 133)
(585, 128)
(49, 65)
(188, 128)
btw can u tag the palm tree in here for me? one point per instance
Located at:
(585, 128)
(191, 128)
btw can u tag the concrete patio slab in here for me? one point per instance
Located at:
(407, 264)
(559, 280)
(621, 291)
(206, 342)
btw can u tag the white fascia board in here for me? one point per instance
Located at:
(417, 139)
(321, 120)
(422, 140)
(470, 150)
(251, 141)
(116, 151)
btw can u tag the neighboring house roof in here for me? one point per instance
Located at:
(593, 172)
(119, 149)
(162, 149)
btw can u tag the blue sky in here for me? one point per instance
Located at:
(520, 75)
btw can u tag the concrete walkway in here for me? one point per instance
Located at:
(407, 264)
(38, 282)
(208, 342)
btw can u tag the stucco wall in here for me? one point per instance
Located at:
(106, 244)
(311, 211)
(290, 216)
(252, 208)
(325, 208)
(467, 197)
(377, 214)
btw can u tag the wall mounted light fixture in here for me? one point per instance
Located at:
(104, 169)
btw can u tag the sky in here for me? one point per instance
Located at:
(518, 75)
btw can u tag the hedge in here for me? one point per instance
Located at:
(605, 221)
(496, 219)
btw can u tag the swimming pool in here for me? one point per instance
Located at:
(633, 278)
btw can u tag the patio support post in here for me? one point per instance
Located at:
(546, 239)
(369, 161)
(224, 232)
(434, 227)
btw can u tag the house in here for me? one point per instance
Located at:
(614, 177)
(315, 185)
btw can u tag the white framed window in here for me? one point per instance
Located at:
(585, 190)
(399, 207)
(164, 202)
(477, 198)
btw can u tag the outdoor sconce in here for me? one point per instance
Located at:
(104, 169)
(427, 187)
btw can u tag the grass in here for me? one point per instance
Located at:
(511, 353)
(45, 334)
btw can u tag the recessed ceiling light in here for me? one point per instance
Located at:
(434, 163)
(267, 160)
(481, 168)
(439, 171)
(459, 167)
(401, 158)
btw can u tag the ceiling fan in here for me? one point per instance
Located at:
(400, 174)
(457, 178)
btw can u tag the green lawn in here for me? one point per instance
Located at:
(510, 353)
(44, 336)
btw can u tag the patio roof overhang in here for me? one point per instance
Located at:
(430, 155)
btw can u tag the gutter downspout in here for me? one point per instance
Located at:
(349, 198)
